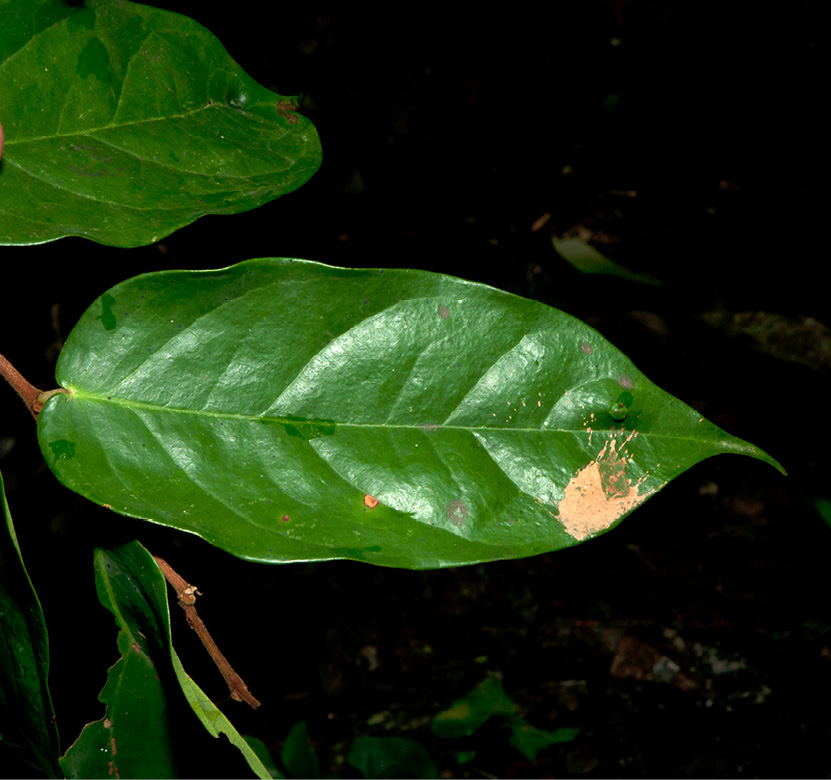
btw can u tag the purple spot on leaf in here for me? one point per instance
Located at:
(457, 511)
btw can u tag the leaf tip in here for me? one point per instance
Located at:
(741, 447)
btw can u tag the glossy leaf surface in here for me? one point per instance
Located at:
(28, 736)
(125, 122)
(147, 730)
(287, 411)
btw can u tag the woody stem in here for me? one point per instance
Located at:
(27, 392)
(187, 594)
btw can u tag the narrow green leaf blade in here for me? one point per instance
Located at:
(146, 730)
(286, 410)
(28, 735)
(262, 752)
(214, 720)
(125, 122)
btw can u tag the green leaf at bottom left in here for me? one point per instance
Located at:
(149, 729)
(134, 739)
(28, 736)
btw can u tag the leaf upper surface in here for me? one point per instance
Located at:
(286, 410)
(125, 122)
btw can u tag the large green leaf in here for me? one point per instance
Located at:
(28, 736)
(286, 411)
(147, 730)
(125, 122)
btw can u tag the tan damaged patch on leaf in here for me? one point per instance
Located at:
(601, 492)
(370, 501)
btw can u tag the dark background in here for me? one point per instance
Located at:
(684, 139)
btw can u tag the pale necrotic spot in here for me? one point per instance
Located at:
(624, 380)
(600, 493)
(457, 511)
(586, 348)
(444, 312)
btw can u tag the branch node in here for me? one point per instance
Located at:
(186, 595)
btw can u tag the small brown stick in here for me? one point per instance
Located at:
(187, 593)
(33, 397)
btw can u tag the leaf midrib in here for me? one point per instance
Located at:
(133, 405)
(90, 131)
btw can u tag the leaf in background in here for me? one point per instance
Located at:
(289, 411)
(588, 260)
(488, 699)
(823, 506)
(530, 741)
(125, 122)
(298, 757)
(796, 339)
(392, 757)
(467, 714)
(28, 735)
(147, 730)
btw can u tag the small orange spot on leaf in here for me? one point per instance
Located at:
(370, 501)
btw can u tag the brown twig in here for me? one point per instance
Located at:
(33, 397)
(186, 594)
